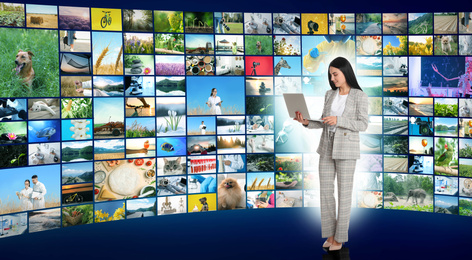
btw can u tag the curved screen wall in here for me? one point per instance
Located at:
(106, 113)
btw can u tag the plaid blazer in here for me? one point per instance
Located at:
(355, 119)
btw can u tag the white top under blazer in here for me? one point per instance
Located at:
(337, 108)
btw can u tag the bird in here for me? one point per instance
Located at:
(445, 158)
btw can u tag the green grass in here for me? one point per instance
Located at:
(140, 133)
(465, 170)
(234, 28)
(43, 44)
(136, 130)
(425, 208)
(251, 48)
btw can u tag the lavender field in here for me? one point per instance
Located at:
(170, 69)
(70, 22)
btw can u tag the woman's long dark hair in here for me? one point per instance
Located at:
(212, 91)
(345, 67)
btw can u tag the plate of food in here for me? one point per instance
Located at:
(124, 180)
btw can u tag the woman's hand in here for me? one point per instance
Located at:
(299, 118)
(330, 120)
(263, 204)
(434, 67)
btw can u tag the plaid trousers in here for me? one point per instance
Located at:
(328, 168)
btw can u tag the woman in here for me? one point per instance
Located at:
(345, 114)
(270, 201)
(466, 21)
(25, 197)
(202, 128)
(70, 39)
(214, 103)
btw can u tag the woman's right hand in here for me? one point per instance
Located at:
(434, 67)
(299, 118)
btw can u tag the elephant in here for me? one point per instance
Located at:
(390, 196)
(415, 194)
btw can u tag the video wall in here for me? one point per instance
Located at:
(109, 114)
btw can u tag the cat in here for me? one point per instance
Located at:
(465, 45)
(173, 167)
(465, 107)
(41, 105)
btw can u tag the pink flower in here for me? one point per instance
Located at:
(147, 70)
(12, 136)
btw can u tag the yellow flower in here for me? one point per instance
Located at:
(429, 40)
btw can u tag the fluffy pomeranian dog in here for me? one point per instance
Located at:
(229, 194)
(446, 44)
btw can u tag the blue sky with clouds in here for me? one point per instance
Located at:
(106, 107)
(100, 40)
(41, 9)
(140, 203)
(76, 168)
(445, 201)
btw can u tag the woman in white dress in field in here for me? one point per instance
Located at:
(214, 103)
(202, 128)
(25, 197)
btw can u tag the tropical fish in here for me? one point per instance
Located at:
(167, 147)
(46, 132)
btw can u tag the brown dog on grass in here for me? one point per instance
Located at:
(24, 66)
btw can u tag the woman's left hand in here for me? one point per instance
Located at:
(330, 120)
(263, 204)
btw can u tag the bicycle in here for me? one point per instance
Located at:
(73, 198)
(106, 19)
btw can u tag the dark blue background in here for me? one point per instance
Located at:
(255, 234)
